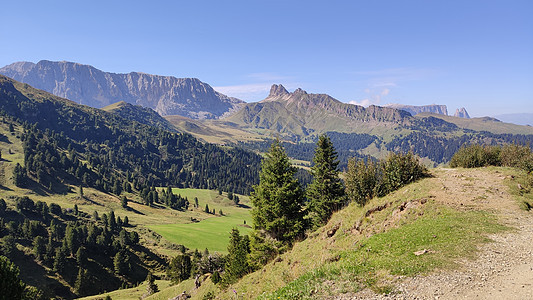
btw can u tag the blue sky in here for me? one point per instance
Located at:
(476, 54)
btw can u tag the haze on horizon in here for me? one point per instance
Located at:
(473, 54)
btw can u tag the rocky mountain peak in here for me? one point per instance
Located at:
(461, 113)
(299, 91)
(87, 85)
(277, 90)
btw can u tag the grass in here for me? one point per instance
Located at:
(376, 261)
(521, 187)
(377, 252)
(211, 233)
(130, 294)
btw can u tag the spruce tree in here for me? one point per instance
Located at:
(11, 286)
(151, 287)
(237, 260)
(278, 198)
(326, 192)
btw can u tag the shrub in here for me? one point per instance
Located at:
(364, 180)
(474, 156)
(509, 155)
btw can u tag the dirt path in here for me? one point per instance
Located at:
(503, 269)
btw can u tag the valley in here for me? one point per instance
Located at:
(98, 201)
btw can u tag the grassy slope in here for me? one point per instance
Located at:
(482, 124)
(375, 254)
(374, 245)
(139, 215)
(212, 233)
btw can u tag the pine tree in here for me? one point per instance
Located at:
(11, 286)
(326, 192)
(151, 288)
(59, 260)
(124, 202)
(237, 259)
(39, 247)
(81, 283)
(278, 198)
(179, 268)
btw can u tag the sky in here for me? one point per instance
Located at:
(476, 54)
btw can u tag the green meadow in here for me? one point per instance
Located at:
(213, 231)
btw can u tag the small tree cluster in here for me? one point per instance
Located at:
(364, 180)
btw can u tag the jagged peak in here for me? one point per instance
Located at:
(277, 90)
(462, 113)
(299, 91)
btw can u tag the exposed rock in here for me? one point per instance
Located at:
(461, 113)
(414, 110)
(277, 90)
(89, 86)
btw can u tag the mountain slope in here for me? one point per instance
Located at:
(139, 114)
(299, 114)
(115, 150)
(367, 250)
(89, 86)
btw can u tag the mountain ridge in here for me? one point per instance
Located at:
(88, 85)
(302, 113)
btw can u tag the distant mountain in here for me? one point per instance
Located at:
(461, 113)
(519, 119)
(87, 85)
(414, 110)
(299, 114)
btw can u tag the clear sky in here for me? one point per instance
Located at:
(472, 53)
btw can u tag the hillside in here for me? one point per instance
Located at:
(87, 85)
(459, 234)
(483, 124)
(137, 113)
(124, 151)
(363, 251)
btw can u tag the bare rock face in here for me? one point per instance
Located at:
(89, 86)
(414, 110)
(461, 113)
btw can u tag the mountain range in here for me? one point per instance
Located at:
(87, 85)
(191, 106)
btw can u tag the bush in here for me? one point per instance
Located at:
(364, 180)
(475, 156)
(509, 155)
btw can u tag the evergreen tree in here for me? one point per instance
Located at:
(124, 202)
(19, 175)
(80, 191)
(151, 288)
(278, 198)
(179, 268)
(237, 259)
(326, 192)
(60, 260)
(3, 206)
(120, 262)
(207, 209)
(11, 286)
(82, 281)
(39, 247)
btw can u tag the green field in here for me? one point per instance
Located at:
(213, 231)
